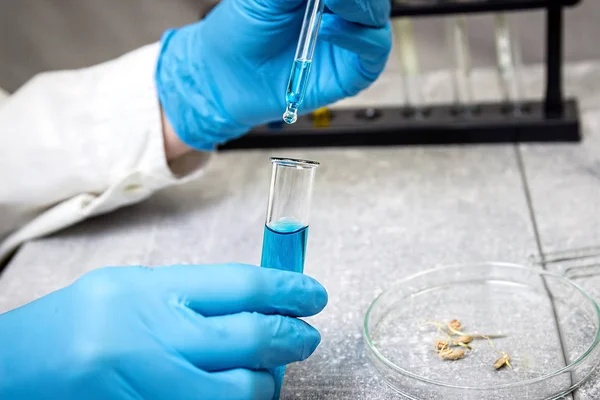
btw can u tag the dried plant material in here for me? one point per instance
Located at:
(502, 361)
(440, 327)
(487, 337)
(466, 346)
(452, 354)
(464, 339)
(455, 325)
(493, 346)
(447, 348)
(441, 345)
(447, 330)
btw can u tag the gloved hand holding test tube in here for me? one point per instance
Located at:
(286, 227)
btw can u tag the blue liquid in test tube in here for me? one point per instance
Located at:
(286, 228)
(284, 246)
(294, 96)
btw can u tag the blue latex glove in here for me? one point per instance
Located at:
(228, 73)
(170, 333)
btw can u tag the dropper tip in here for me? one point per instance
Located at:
(290, 116)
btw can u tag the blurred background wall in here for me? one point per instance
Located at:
(39, 35)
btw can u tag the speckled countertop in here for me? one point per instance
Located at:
(378, 215)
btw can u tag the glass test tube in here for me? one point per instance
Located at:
(459, 45)
(409, 63)
(286, 227)
(510, 62)
(300, 73)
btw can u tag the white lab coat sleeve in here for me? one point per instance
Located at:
(75, 144)
(3, 96)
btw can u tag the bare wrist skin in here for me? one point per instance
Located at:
(174, 147)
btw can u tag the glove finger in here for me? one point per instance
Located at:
(232, 288)
(371, 45)
(360, 52)
(375, 13)
(271, 7)
(245, 340)
(160, 376)
(242, 384)
(187, 382)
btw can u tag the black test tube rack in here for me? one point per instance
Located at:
(553, 119)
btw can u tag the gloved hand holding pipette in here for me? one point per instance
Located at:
(228, 73)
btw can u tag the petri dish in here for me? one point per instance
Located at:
(551, 331)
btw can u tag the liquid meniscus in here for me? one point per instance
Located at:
(296, 89)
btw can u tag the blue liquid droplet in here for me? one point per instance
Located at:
(290, 117)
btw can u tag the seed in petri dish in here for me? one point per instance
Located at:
(454, 325)
(451, 354)
(441, 345)
(465, 339)
(502, 361)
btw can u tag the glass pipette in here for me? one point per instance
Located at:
(296, 88)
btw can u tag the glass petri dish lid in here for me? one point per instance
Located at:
(547, 324)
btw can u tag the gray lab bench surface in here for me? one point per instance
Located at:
(378, 215)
